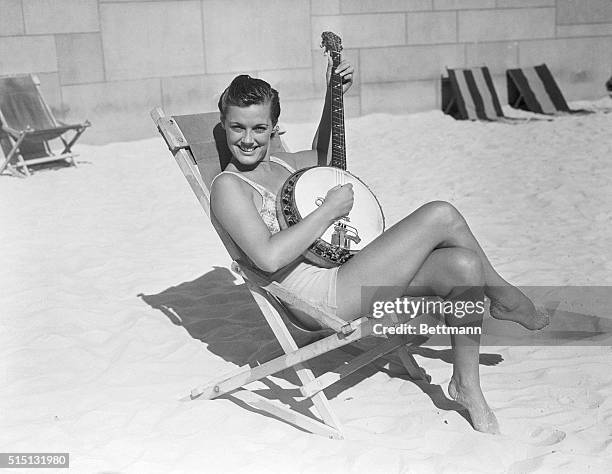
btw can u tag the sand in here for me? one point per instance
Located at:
(117, 299)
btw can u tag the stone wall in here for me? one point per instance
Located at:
(113, 60)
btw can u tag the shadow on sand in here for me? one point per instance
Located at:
(221, 313)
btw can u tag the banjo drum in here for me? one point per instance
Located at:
(305, 190)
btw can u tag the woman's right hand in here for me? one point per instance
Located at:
(339, 201)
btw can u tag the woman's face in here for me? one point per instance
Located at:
(248, 131)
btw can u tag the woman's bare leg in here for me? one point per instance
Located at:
(395, 257)
(433, 252)
(507, 301)
(464, 385)
(455, 274)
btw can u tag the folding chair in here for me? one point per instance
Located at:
(28, 125)
(199, 147)
(469, 94)
(535, 89)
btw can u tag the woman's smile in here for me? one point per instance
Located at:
(248, 149)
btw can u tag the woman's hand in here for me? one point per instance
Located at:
(338, 201)
(345, 69)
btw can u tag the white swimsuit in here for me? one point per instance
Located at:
(315, 284)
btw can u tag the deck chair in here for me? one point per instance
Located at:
(200, 149)
(469, 94)
(28, 125)
(534, 89)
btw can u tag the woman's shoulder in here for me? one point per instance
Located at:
(228, 182)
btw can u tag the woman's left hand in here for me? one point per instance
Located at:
(345, 69)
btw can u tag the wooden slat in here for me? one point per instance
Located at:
(361, 328)
(169, 130)
(331, 377)
(35, 161)
(415, 372)
(287, 414)
(12, 153)
(288, 344)
(185, 163)
(216, 389)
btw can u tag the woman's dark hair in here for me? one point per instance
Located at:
(246, 90)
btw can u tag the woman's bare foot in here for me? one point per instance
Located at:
(483, 418)
(515, 306)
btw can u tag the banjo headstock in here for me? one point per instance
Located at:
(331, 42)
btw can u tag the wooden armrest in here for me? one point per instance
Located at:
(11, 131)
(169, 130)
(75, 126)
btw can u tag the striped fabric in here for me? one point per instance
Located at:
(469, 94)
(535, 89)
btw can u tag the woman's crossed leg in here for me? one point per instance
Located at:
(433, 252)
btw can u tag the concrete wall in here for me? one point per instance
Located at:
(112, 60)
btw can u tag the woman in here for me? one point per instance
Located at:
(430, 252)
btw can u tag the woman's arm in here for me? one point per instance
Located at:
(232, 205)
(322, 138)
(320, 153)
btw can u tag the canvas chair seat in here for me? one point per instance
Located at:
(200, 149)
(28, 125)
(37, 134)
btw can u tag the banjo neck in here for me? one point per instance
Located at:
(338, 142)
(304, 190)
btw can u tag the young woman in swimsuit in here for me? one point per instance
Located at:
(430, 252)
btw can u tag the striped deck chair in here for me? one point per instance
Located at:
(534, 89)
(469, 94)
(200, 149)
(28, 127)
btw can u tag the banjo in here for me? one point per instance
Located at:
(304, 191)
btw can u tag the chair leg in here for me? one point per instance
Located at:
(23, 164)
(14, 152)
(288, 344)
(6, 166)
(450, 105)
(415, 371)
(293, 358)
(287, 414)
(71, 156)
(68, 146)
(365, 358)
(14, 171)
(517, 102)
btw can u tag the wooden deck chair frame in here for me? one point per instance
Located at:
(24, 143)
(180, 134)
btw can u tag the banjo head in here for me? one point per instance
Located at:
(365, 217)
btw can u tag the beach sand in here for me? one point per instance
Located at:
(117, 299)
